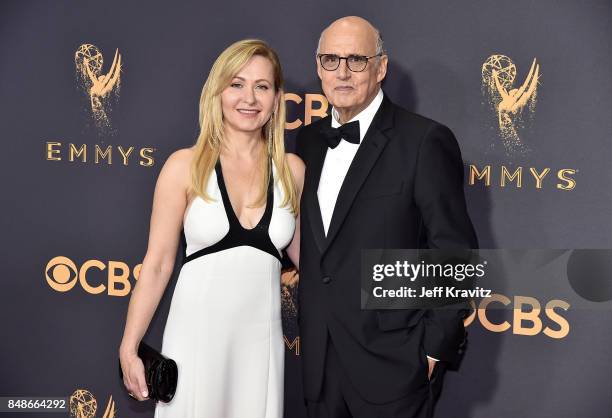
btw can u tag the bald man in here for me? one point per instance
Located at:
(377, 176)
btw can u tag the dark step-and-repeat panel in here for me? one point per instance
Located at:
(96, 95)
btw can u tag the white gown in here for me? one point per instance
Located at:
(224, 327)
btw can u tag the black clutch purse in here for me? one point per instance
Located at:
(161, 373)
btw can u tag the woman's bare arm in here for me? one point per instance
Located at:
(169, 204)
(297, 169)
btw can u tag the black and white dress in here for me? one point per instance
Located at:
(224, 327)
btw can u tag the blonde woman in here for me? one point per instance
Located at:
(235, 195)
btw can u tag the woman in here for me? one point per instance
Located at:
(236, 194)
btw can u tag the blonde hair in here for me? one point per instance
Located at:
(211, 136)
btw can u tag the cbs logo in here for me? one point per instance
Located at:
(62, 275)
(526, 316)
(315, 105)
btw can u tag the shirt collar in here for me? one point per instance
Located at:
(364, 117)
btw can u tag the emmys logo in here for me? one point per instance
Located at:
(62, 274)
(84, 405)
(510, 104)
(68, 151)
(522, 177)
(98, 86)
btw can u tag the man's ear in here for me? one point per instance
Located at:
(382, 68)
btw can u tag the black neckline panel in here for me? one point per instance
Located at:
(238, 236)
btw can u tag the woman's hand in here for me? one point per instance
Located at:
(134, 376)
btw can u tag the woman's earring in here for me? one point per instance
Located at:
(271, 132)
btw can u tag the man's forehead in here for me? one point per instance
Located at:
(347, 43)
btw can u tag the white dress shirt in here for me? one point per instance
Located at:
(338, 160)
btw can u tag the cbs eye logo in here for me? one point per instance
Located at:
(62, 274)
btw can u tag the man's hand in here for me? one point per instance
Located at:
(432, 364)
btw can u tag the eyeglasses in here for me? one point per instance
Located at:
(355, 63)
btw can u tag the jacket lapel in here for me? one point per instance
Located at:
(311, 186)
(370, 149)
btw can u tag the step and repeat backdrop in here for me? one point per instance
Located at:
(96, 95)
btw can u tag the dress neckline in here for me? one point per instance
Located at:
(229, 208)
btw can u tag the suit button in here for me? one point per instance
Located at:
(326, 280)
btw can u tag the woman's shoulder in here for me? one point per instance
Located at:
(297, 167)
(182, 156)
(178, 165)
(180, 160)
(295, 163)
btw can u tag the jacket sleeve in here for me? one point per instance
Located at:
(300, 143)
(440, 198)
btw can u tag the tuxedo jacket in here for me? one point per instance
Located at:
(404, 189)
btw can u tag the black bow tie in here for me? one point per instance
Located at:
(349, 132)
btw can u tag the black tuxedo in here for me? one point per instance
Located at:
(404, 189)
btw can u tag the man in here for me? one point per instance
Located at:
(377, 176)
